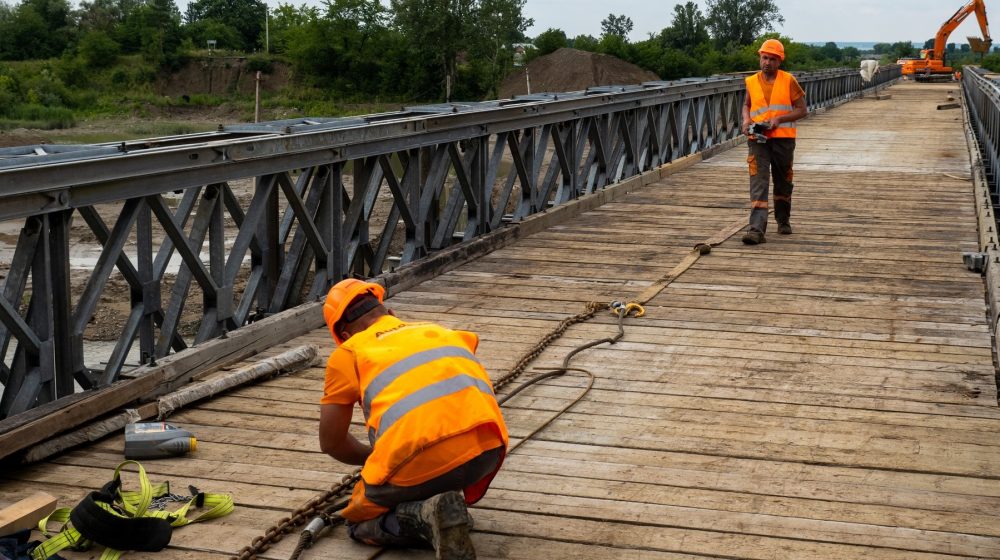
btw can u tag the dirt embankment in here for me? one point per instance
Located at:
(573, 70)
(222, 75)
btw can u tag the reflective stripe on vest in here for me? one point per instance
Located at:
(423, 396)
(420, 385)
(396, 370)
(781, 103)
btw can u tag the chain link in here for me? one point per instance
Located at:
(592, 308)
(299, 516)
(162, 501)
(315, 504)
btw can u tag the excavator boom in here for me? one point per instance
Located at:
(932, 64)
(977, 7)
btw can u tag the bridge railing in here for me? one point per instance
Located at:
(254, 219)
(982, 97)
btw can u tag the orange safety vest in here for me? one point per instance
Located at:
(428, 404)
(781, 103)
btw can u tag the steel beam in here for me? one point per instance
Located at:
(442, 172)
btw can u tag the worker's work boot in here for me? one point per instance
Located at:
(784, 228)
(753, 238)
(441, 520)
(375, 533)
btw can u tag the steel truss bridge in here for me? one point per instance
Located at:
(982, 95)
(329, 198)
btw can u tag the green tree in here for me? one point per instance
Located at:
(676, 64)
(10, 94)
(881, 48)
(951, 47)
(435, 32)
(496, 26)
(225, 36)
(647, 54)
(832, 51)
(311, 46)
(901, 49)
(343, 47)
(104, 15)
(966, 48)
(245, 16)
(549, 41)
(687, 30)
(55, 14)
(98, 50)
(739, 22)
(619, 25)
(990, 62)
(21, 35)
(584, 43)
(153, 29)
(929, 43)
(284, 20)
(851, 53)
(615, 45)
(800, 56)
(35, 29)
(6, 43)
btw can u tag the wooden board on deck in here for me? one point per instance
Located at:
(829, 394)
(26, 513)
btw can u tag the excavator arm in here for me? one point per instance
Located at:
(931, 65)
(975, 6)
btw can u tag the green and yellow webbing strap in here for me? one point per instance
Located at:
(131, 507)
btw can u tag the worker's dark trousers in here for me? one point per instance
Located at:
(385, 530)
(770, 160)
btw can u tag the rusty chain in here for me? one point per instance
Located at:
(592, 308)
(299, 516)
(276, 532)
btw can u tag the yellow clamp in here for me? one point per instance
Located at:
(623, 309)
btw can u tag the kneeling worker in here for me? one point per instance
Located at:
(434, 427)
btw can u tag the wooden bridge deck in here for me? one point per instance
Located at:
(826, 395)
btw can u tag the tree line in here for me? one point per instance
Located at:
(356, 48)
(406, 50)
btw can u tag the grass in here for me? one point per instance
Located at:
(11, 124)
(119, 103)
(113, 130)
(37, 116)
(166, 128)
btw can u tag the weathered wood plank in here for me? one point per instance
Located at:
(827, 395)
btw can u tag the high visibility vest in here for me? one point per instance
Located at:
(421, 385)
(781, 103)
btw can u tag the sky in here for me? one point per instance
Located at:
(885, 21)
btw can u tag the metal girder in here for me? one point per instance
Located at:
(982, 96)
(329, 198)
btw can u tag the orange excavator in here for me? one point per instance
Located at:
(931, 64)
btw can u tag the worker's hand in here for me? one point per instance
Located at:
(773, 123)
(746, 126)
(334, 440)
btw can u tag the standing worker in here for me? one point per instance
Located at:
(433, 423)
(774, 101)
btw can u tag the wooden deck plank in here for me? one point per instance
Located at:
(831, 394)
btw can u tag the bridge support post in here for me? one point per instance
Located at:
(147, 294)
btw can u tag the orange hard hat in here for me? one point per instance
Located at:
(773, 46)
(340, 297)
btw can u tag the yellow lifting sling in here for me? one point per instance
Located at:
(120, 519)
